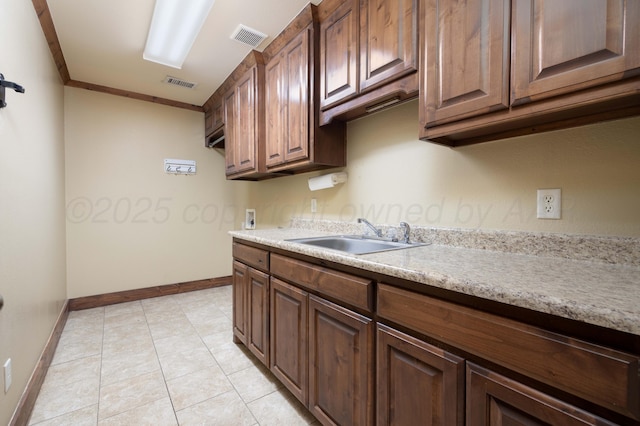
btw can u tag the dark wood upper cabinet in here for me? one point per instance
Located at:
(564, 46)
(276, 113)
(294, 141)
(243, 120)
(339, 54)
(214, 122)
(368, 56)
(213, 116)
(465, 59)
(484, 70)
(217, 120)
(245, 123)
(208, 122)
(492, 69)
(388, 40)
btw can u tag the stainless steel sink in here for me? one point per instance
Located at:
(354, 244)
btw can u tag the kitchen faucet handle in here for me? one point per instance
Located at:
(407, 232)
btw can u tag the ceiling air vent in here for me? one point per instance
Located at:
(177, 82)
(247, 35)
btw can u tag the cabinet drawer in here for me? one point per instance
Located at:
(505, 401)
(604, 376)
(347, 288)
(251, 256)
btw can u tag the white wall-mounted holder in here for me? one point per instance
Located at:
(250, 219)
(179, 167)
(327, 181)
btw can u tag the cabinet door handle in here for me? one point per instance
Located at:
(1, 302)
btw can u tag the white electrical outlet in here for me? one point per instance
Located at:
(314, 205)
(549, 203)
(7, 375)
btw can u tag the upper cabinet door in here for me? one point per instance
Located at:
(296, 56)
(465, 59)
(246, 122)
(288, 103)
(241, 125)
(217, 115)
(275, 110)
(231, 141)
(339, 54)
(568, 45)
(388, 40)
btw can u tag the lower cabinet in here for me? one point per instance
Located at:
(240, 326)
(493, 399)
(251, 309)
(599, 376)
(357, 352)
(251, 299)
(322, 353)
(340, 364)
(289, 337)
(258, 314)
(417, 383)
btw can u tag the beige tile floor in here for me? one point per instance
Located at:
(163, 361)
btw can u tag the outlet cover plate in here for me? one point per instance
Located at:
(8, 375)
(549, 203)
(250, 219)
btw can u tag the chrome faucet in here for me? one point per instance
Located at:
(407, 231)
(373, 228)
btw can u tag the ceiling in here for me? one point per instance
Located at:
(102, 43)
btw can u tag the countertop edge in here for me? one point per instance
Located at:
(608, 317)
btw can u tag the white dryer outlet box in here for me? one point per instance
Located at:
(250, 219)
(7, 375)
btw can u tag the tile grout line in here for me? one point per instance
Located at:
(233, 386)
(164, 378)
(151, 336)
(215, 360)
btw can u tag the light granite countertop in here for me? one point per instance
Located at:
(595, 292)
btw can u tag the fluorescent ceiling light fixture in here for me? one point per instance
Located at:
(174, 27)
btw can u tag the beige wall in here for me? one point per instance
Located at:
(129, 224)
(111, 219)
(32, 225)
(395, 177)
